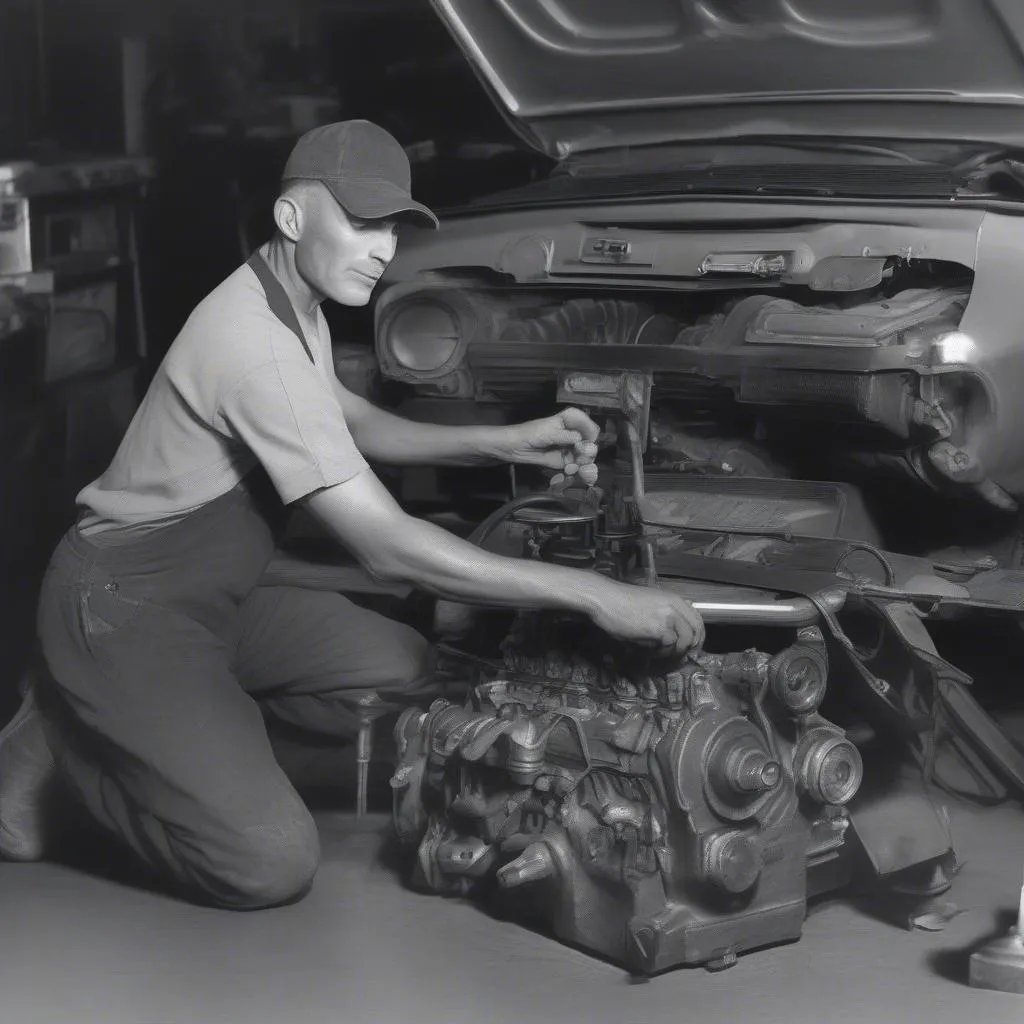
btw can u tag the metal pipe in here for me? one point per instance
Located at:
(792, 611)
(636, 455)
(364, 752)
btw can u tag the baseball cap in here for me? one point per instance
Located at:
(363, 167)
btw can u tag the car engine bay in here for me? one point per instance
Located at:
(661, 815)
(806, 430)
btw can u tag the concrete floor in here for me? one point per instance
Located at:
(85, 942)
(78, 947)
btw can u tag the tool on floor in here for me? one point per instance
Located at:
(369, 708)
(999, 965)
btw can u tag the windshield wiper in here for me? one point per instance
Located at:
(755, 150)
(837, 146)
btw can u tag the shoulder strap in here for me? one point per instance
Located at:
(278, 300)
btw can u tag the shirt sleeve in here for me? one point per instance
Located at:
(285, 413)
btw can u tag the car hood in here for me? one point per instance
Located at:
(576, 76)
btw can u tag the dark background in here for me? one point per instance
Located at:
(216, 73)
(213, 101)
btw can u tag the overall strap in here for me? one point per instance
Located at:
(278, 300)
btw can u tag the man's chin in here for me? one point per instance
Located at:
(353, 295)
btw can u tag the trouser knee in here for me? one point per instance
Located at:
(408, 663)
(267, 864)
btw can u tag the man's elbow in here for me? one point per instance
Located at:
(364, 519)
(386, 565)
(386, 571)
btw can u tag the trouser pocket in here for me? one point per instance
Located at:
(105, 609)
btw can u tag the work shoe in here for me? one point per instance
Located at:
(27, 778)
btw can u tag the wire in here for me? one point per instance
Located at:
(475, 659)
(485, 528)
(890, 574)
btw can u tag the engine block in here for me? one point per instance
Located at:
(655, 817)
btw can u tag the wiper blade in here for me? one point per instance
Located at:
(878, 181)
(839, 146)
(753, 149)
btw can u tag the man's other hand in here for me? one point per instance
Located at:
(653, 618)
(565, 442)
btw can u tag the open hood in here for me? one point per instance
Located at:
(574, 76)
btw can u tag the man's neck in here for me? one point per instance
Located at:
(280, 256)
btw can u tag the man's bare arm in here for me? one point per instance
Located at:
(392, 545)
(383, 437)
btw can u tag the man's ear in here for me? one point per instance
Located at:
(289, 217)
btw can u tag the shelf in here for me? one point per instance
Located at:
(82, 269)
(84, 177)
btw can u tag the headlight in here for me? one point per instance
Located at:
(954, 347)
(423, 337)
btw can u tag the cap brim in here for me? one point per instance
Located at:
(373, 198)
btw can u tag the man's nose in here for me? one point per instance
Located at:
(383, 247)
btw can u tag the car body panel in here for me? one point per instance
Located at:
(541, 249)
(580, 75)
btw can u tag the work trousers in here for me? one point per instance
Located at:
(160, 660)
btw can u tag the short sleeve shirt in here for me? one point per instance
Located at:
(240, 386)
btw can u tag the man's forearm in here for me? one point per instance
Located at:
(383, 437)
(448, 567)
(395, 546)
(369, 522)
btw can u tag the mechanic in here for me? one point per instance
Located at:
(162, 660)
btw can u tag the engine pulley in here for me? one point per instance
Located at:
(829, 767)
(740, 769)
(799, 676)
(732, 860)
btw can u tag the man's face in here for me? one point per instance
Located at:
(340, 256)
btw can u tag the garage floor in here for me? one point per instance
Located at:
(78, 947)
(88, 942)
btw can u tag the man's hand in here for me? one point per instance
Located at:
(566, 442)
(648, 616)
